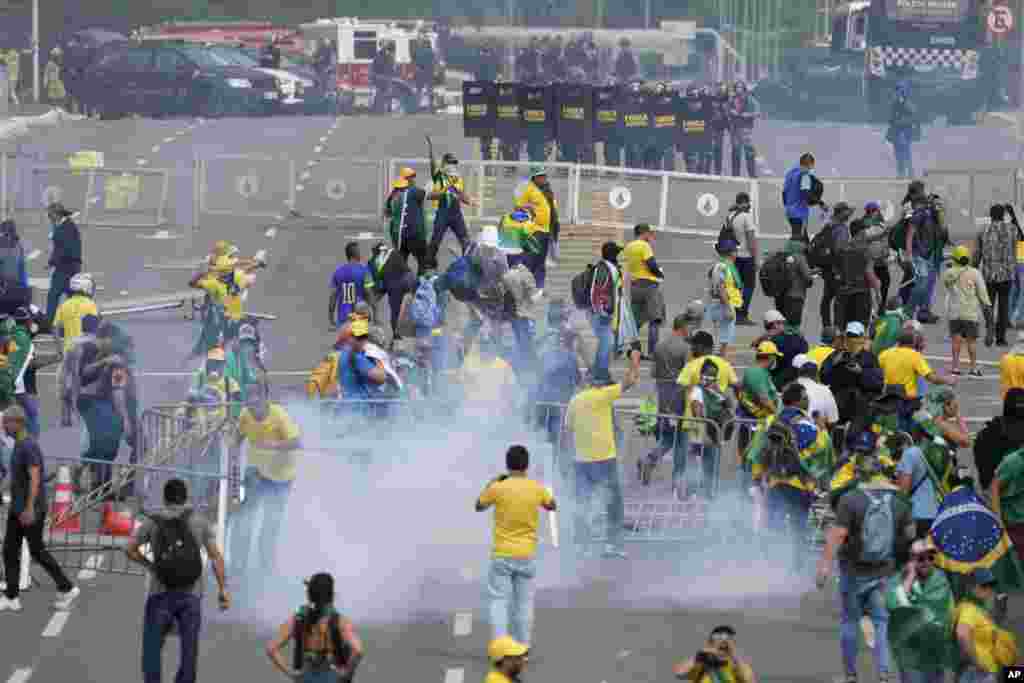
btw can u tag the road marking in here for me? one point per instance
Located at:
(463, 625)
(272, 233)
(33, 255)
(167, 140)
(141, 162)
(318, 150)
(455, 675)
(56, 625)
(306, 175)
(311, 163)
(624, 653)
(156, 148)
(20, 676)
(91, 565)
(300, 188)
(323, 139)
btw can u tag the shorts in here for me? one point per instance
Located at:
(648, 302)
(968, 329)
(725, 330)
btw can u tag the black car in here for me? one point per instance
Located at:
(154, 79)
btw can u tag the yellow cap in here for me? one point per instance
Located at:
(505, 647)
(360, 327)
(400, 184)
(767, 348)
(961, 252)
(407, 173)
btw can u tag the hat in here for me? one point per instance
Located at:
(872, 206)
(727, 247)
(802, 360)
(767, 348)
(855, 329)
(694, 310)
(983, 576)
(773, 316)
(537, 170)
(841, 208)
(400, 184)
(407, 173)
(703, 338)
(488, 236)
(360, 327)
(961, 252)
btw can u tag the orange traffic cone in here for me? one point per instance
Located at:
(117, 522)
(60, 510)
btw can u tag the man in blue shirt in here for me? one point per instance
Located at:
(358, 374)
(348, 285)
(801, 191)
(914, 480)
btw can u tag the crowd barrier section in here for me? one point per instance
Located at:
(245, 185)
(968, 194)
(342, 189)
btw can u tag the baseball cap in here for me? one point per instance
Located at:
(537, 170)
(407, 173)
(360, 327)
(767, 348)
(855, 329)
(961, 252)
(774, 316)
(802, 360)
(727, 247)
(872, 206)
(983, 577)
(703, 338)
(503, 647)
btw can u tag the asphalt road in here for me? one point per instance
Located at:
(617, 622)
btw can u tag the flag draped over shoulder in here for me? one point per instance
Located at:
(921, 623)
(969, 536)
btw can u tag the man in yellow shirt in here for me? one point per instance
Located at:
(508, 659)
(718, 660)
(903, 365)
(67, 325)
(517, 501)
(539, 196)
(274, 440)
(982, 642)
(645, 284)
(1011, 366)
(225, 280)
(590, 421)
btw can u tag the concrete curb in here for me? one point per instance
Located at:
(21, 125)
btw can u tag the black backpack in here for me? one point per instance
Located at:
(342, 650)
(581, 286)
(821, 252)
(177, 561)
(852, 265)
(780, 453)
(728, 232)
(774, 275)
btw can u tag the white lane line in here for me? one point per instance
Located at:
(323, 139)
(91, 565)
(33, 255)
(271, 233)
(306, 175)
(463, 625)
(553, 521)
(20, 676)
(318, 150)
(156, 148)
(300, 188)
(311, 163)
(141, 162)
(455, 675)
(56, 625)
(167, 140)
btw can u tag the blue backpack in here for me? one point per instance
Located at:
(462, 277)
(424, 311)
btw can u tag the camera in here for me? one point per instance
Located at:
(709, 661)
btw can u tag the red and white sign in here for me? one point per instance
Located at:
(1000, 20)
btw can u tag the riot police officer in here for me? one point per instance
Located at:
(528, 62)
(635, 144)
(718, 125)
(695, 130)
(626, 68)
(660, 153)
(554, 62)
(487, 66)
(743, 112)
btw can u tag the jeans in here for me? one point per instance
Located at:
(447, 218)
(859, 597)
(522, 360)
(163, 610)
(901, 142)
(602, 326)
(725, 329)
(30, 404)
(676, 440)
(59, 281)
(912, 676)
(788, 506)
(537, 263)
(919, 301)
(265, 503)
(13, 539)
(593, 479)
(709, 464)
(999, 293)
(933, 278)
(510, 593)
(1017, 297)
(320, 676)
(105, 430)
(745, 264)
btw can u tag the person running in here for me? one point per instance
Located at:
(326, 647)
(517, 501)
(349, 285)
(27, 515)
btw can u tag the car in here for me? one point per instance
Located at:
(176, 79)
(300, 91)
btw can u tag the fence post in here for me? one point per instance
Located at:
(90, 187)
(481, 178)
(755, 199)
(970, 199)
(663, 210)
(3, 185)
(292, 199)
(574, 193)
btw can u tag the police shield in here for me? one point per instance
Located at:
(607, 119)
(507, 120)
(575, 114)
(537, 104)
(635, 123)
(478, 112)
(664, 117)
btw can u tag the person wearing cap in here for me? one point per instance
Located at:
(839, 233)
(921, 251)
(904, 365)
(508, 659)
(590, 422)
(407, 226)
(801, 191)
(864, 579)
(888, 326)
(605, 297)
(787, 340)
(758, 395)
(449, 196)
(741, 228)
(645, 279)
(853, 374)
(921, 609)
(825, 347)
(969, 298)
(725, 296)
(517, 501)
(718, 660)
(1011, 365)
(540, 197)
(821, 403)
(65, 257)
(985, 647)
(224, 282)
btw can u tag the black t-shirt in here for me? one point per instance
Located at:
(27, 454)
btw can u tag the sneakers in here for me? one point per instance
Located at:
(65, 599)
(9, 605)
(976, 372)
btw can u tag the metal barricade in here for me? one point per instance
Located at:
(125, 198)
(342, 188)
(700, 203)
(246, 185)
(619, 198)
(968, 194)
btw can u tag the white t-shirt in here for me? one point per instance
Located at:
(744, 226)
(820, 400)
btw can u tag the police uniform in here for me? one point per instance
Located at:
(696, 132)
(719, 124)
(661, 154)
(743, 111)
(487, 72)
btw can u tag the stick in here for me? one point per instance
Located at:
(430, 153)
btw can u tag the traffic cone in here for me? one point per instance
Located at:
(60, 509)
(117, 522)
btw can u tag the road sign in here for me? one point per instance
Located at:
(1000, 20)
(620, 197)
(707, 205)
(336, 189)
(248, 186)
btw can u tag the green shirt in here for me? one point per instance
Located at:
(1010, 473)
(757, 386)
(887, 331)
(921, 623)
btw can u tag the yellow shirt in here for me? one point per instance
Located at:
(1011, 372)
(497, 677)
(984, 634)
(902, 365)
(690, 374)
(535, 199)
(819, 353)
(728, 673)
(589, 417)
(218, 291)
(277, 426)
(517, 502)
(1020, 251)
(69, 316)
(635, 255)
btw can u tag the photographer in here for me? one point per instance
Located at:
(718, 660)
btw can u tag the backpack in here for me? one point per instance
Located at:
(878, 529)
(342, 650)
(581, 285)
(817, 190)
(780, 453)
(463, 277)
(423, 309)
(898, 235)
(774, 275)
(728, 232)
(177, 561)
(852, 265)
(821, 250)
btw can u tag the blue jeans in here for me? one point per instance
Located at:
(902, 139)
(162, 611)
(320, 676)
(859, 597)
(265, 503)
(30, 404)
(59, 281)
(787, 504)
(105, 430)
(677, 441)
(919, 301)
(522, 359)
(1017, 297)
(973, 674)
(933, 279)
(725, 329)
(602, 479)
(602, 326)
(510, 593)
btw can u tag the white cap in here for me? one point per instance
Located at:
(488, 236)
(856, 329)
(801, 360)
(774, 316)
